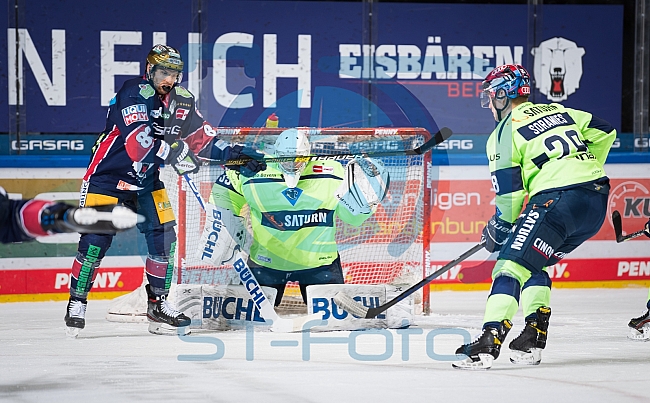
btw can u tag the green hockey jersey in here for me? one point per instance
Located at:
(540, 147)
(293, 228)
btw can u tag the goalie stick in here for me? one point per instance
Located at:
(618, 229)
(442, 135)
(355, 308)
(281, 325)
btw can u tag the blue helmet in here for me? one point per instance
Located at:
(509, 80)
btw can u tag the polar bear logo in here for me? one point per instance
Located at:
(558, 68)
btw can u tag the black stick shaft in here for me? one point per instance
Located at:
(442, 135)
(632, 235)
(372, 312)
(618, 229)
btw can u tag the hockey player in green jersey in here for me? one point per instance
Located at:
(554, 156)
(293, 209)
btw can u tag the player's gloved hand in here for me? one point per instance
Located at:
(250, 168)
(495, 233)
(62, 217)
(54, 218)
(182, 159)
(646, 230)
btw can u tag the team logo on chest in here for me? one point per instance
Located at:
(292, 195)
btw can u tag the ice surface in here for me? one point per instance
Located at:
(587, 359)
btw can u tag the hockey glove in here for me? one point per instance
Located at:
(62, 217)
(251, 167)
(495, 233)
(182, 159)
(646, 230)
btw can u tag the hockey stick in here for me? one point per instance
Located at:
(355, 308)
(618, 229)
(248, 279)
(442, 135)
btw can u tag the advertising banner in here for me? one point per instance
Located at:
(462, 204)
(462, 201)
(306, 61)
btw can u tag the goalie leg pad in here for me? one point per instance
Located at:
(326, 274)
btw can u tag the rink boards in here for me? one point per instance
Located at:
(462, 201)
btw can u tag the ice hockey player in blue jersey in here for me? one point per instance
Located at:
(152, 120)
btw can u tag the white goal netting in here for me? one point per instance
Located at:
(389, 248)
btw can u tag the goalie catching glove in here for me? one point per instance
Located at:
(62, 217)
(365, 184)
(224, 234)
(182, 159)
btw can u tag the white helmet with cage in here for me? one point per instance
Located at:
(292, 142)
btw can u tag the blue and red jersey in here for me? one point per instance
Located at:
(140, 126)
(20, 220)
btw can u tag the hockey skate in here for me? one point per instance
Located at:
(640, 327)
(527, 347)
(75, 316)
(164, 318)
(480, 354)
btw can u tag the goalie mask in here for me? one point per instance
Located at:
(164, 68)
(290, 143)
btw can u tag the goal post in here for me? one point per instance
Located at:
(391, 247)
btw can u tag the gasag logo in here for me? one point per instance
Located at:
(47, 145)
(557, 68)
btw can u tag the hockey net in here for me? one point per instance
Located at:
(389, 248)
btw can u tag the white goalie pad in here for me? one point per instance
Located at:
(320, 300)
(219, 307)
(365, 184)
(131, 307)
(223, 235)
